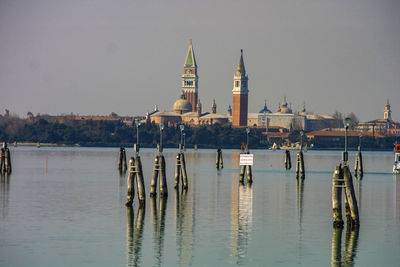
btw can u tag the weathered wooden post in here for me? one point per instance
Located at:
(183, 171)
(163, 178)
(249, 174)
(358, 166)
(351, 196)
(124, 166)
(302, 170)
(219, 161)
(140, 181)
(297, 165)
(120, 158)
(159, 169)
(337, 184)
(131, 182)
(2, 160)
(287, 161)
(177, 170)
(156, 170)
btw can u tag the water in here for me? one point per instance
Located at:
(73, 213)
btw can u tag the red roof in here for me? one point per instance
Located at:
(342, 133)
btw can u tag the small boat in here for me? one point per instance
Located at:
(396, 164)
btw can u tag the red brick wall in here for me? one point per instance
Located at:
(239, 110)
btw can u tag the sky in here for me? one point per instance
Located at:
(94, 57)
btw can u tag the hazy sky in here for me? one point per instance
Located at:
(125, 56)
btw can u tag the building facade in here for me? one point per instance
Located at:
(190, 79)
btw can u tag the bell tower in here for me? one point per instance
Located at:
(240, 95)
(387, 115)
(190, 79)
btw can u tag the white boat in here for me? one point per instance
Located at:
(396, 164)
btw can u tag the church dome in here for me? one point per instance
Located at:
(265, 109)
(182, 105)
(284, 107)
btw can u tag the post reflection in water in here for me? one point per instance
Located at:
(299, 199)
(241, 220)
(134, 235)
(350, 247)
(184, 227)
(158, 227)
(4, 191)
(397, 198)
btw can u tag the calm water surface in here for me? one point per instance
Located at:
(72, 213)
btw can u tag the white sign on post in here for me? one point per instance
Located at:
(246, 159)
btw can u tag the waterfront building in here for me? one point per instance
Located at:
(385, 126)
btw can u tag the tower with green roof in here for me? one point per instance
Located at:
(190, 79)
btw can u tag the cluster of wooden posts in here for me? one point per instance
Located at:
(5, 160)
(135, 176)
(300, 170)
(342, 179)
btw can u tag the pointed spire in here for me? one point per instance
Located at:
(190, 58)
(241, 69)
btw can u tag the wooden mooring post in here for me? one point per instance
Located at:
(5, 160)
(358, 166)
(342, 179)
(135, 173)
(159, 171)
(180, 171)
(287, 161)
(122, 160)
(219, 162)
(300, 171)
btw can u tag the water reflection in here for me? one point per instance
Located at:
(158, 227)
(350, 247)
(134, 235)
(4, 189)
(397, 198)
(184, 227)
(241, 220)
(299, 198)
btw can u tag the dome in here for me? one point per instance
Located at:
(182, 105)
(284, 107)
(265, 109)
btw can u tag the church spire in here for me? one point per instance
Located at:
(190, 58)
(241, 69)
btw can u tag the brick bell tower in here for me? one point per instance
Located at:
(240, 95)
(190, 79)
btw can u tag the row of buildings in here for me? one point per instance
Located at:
(189, 110)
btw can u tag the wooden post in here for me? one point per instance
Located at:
(287, 163)
(120, 158)
(217, 158)
(358, 166)
(2, 160)
(337, 184)
(131, 183)
(124, 159)
(302, 170)
(351, 196)
(177, 170)
(153, 185)
(249, 174)
(221, 160)
(183, 171)
(140, 181)
(242, 172)
(163, 178)
(297, 165)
